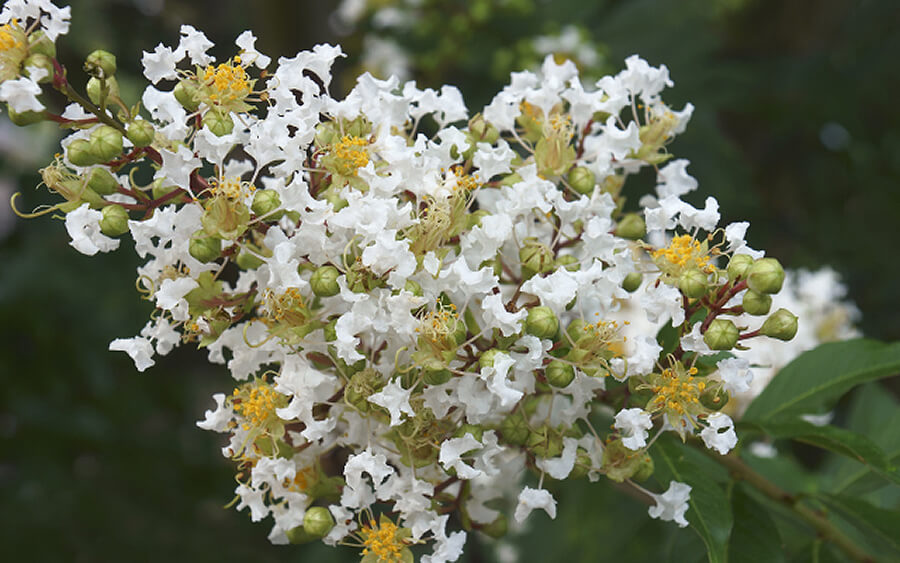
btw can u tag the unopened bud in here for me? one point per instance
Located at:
(782, 324)
(324, 281)
(631, 226)
(436, 375)
(413, 287)
(205, 249)
(100, 64)
(265, 202)
(186, 94)
(474, 219)
(101, 181)
(632, 282)
(544, 443)
(25, 118)
(536, 258)
(486, 359)
(219, 123)
(106, 143)
(722, 334)
(482, 131)
(559, 373)
(39, 43)
(738, 266)
(79, 153)
(299, 536)
(582, 180)
(766, 276)
(693, 283)
(714, 398)
(114, 221)
(756, 303)
(569, 262)
(541, 322)
(318, 521)
(100, 89)
(140, 132)
(514, 429)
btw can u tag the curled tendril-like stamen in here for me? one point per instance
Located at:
(35, 213)
(248, 343)
(145, 286)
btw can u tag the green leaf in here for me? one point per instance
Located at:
(840, 441)
(754, 537)
(709, 513)
(816, 379)
(879, 525)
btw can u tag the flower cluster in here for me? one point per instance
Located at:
(412, 321)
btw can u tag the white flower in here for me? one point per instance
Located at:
(634, 424)
(83, 225)
(493, 160)
(218, 419)
(672, 504)
(452, 451)
(560, 467)
(160, 64)
(195, 44)
(140, 349)
(719, 435)
(675, 180)
(735, 374)
(530, 499)
(247, 43)
(170, 296)
(177, 166)
(21, 94)
(395, 399)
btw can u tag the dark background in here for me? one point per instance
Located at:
(100, 463)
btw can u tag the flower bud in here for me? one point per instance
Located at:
(101, 181)
(782, 324)
(106, 143)
(318, 521)
(569, 262)
(99, 89)
(766, 276)
(80, 154)
(738, 266)
(114, 221)
(413, 287)
(486, 359)
(474, 219)
(714, 398)
(476, 431)
(631, 226)
(756, 303)
(219, 123)
(496, 529)
(140, 132)
(324, 281)
(482, 131)
(559, 373)
(205, 249)
(299, 536)
(40, 61)
(39, 43)
(265, 202)
(722, 334)
(693, 283)
(436, 374)
(186, 94)
(632, 282)
(541, 322)
(330, 331)
(25, 118)
(582, 180)
(100, 64)
(544, 443)
(536, 258)
(514, 429)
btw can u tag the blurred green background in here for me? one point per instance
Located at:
(796, 130)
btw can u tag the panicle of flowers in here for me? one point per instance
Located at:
(411, 321)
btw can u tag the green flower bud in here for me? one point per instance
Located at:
(100, 64)
(559, 373)
(265, 202)
(318, 521)
(722, 334)
(101, 181)
(436, 375)
(95, 89)
(541, 322)
(474, 219)
(39, 61)
(186, 93)
(569, 262)
(219, 123)
(39, 43)
(738, 266)
(714, 398)
(766, 276)
(644, 469)
(413, 287)
(247, 261)
(782, 324)
(544, 443)
(514, 429)
(25, 118)
(205, 249)
(140, 132)
(693, 283)
(632, 282)
(324, 281)
(477, 432)
(498, 528)
(106, 143)
(114, 221)
(756, 303)
(536, 258)
(482, 131)
(582, 180)
(80, 154)
(299, 535)
(330, 331)
(486, 359)
(631, 226)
